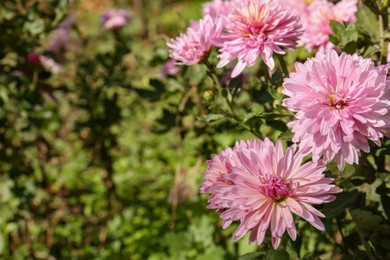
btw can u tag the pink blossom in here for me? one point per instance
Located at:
(193, 46)
(49, 64)
(257, 28)
(261, 186)
(34, 58)
(169, 68)
(115, 19)
(45, 61)
(342, 102)
(219, 8)
(59, 39)
(316, 24)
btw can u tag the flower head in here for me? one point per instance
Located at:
(50, 64)
(45, 61)
(316, 23)
(169, 68)
(193, 46)
(261, 186)
(257, 28)
(115, 19)
(59, 39)
(33, 58)
(341, 103)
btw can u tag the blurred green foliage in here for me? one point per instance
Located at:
(103, 159)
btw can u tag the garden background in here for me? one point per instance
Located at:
(102, 150)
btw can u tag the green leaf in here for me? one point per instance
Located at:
(235, 85)
(279, 254)
(211, 118)
(277, 124)
(366, 221)
(344, 36)
(35, 27)
(153, 94)
(251, 256)
(367, 23)
(344, 200)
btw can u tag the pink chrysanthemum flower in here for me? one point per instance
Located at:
(261, 186)
(341, 103)
(115, 19)
(193, 46)
(316, 23)
(257, 28)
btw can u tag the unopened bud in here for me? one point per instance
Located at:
(208, 95)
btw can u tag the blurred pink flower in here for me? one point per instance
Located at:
(68, 22)
(257, 28)
(260, 185)
(46, 62)
(115, 19)
(299, 7)
(169, 68)
(59, 39)
(218, 8)
(316, 23)
(193, 46)
(342, 102)
(49, 64)
(34, 58)
(388, 53)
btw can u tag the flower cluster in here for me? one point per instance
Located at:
(341, 103)
(48, 63)
(261, 186)
(59, 38)
(316, 15)
(243, 30)
(115, 19)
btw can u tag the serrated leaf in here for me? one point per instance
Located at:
(344, 36)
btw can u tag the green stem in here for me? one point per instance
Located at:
(370, 255)
(229, 103)
(214, 77)
(266, 74)
(283, 65)
(383, 30)
(344, 242)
